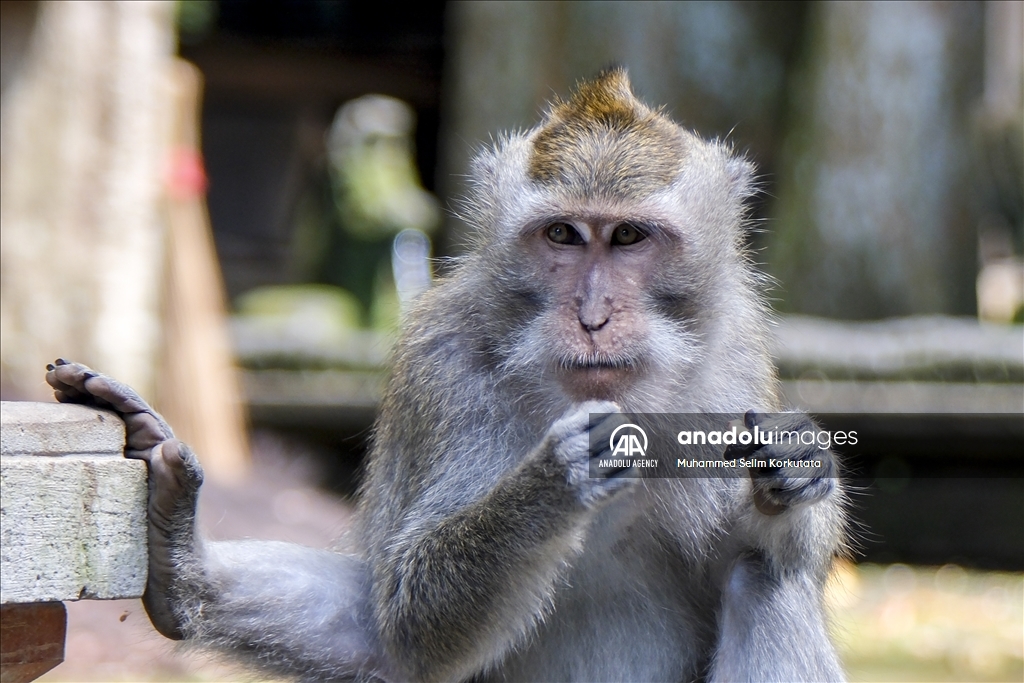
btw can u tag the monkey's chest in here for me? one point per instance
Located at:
(623, 612)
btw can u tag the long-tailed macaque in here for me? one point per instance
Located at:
(608, 275)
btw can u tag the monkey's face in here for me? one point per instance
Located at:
(595, 277)
(610, 253)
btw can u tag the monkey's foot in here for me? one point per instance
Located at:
(796, 473)
(174, 477)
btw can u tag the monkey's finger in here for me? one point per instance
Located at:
(765, 472)
(121, 397)
(766, 504)
(144, 454)
(169, 480)
(173, 472)
(735, 450)
(68, 381)
(84, 381)
(602, 429)
(774, 495)
(741, 450)
(64, 390)
(64, 393)
(72, 374)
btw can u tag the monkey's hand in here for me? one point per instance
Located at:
(581, 444)
(794, 473)
(174, 479)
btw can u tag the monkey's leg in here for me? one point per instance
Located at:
(772, 628)
(288, 609)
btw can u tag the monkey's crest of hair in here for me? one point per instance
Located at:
(603, 141)
(602, 150)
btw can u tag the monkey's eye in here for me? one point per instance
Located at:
(627, 234)
(563, 233)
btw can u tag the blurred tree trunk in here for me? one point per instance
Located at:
(875, 215)
(718, 67)
(84, 134)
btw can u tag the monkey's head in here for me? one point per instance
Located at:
(610, 244)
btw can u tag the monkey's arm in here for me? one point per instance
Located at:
(456, 589)
(772, 622)
(772, 627)
(288, 609)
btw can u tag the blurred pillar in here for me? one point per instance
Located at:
(85, 122)
(875, 215)
(1000, 138)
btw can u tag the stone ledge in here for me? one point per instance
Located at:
(74, 520)
(58, 429)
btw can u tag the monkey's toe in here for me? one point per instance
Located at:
(67, 380)
(78, 383)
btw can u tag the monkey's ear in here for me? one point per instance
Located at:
(740, 175)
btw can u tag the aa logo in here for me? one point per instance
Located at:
(628, 440)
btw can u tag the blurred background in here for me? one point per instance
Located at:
(226, 205)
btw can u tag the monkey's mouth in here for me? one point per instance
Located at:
(597, 376)
(599, 363)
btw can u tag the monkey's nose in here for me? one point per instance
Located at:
(594, 325)
(594, 311)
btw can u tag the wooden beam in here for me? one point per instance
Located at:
(31, 640)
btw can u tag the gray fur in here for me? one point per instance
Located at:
(485, 551)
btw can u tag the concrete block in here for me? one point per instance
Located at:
(58, 429)
(72, 508)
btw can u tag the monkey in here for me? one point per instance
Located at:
(608, 277)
